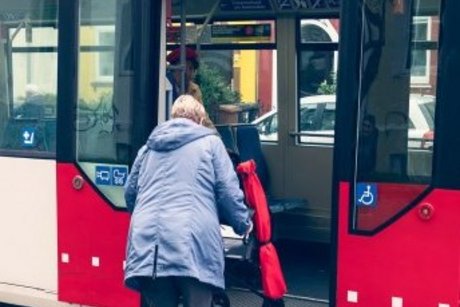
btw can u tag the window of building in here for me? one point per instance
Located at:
(420, 68)
(104, 64)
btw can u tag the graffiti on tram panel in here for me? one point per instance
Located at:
(307, 4)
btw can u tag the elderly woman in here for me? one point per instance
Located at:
(182, 182)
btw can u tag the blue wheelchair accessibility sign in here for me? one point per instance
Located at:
(366, 194)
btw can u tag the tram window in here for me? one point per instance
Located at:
(317, 71)
(105, 95)
(238, 86)
(239, 78)
(95, 106)
(319, 30)
(28, 78)
(398, 88)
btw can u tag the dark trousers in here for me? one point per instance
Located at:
(166, 292)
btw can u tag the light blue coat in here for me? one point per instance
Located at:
(181, 182)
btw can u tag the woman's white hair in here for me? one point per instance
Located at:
(186, 106)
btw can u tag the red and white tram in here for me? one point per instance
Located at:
(358, 118)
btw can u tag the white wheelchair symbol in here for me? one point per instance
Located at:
(367, 198)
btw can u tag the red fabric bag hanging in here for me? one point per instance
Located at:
(273, 283)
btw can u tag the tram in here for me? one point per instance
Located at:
(355, 104)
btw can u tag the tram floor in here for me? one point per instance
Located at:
(306, 268)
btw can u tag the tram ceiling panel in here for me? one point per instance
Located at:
(19, 10)
(94, 12)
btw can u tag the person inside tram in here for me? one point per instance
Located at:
(191, 66)
(181, 184)
(33, 106)
(174, 76)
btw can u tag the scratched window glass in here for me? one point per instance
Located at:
(105, 95)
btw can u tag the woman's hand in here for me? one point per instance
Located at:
(248, 232)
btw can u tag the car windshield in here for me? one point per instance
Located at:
(428, 112)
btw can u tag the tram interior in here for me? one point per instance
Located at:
(294, 110)
(252, 52)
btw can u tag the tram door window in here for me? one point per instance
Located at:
(396, 109)
(28, 78)
(317, 79)
(301, 163)
(105, 95)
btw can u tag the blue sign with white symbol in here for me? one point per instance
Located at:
(119, 175)
(103, 175)
(29, 136)
(111, 175)
(366, 194)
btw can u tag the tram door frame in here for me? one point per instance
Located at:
(443, 188)
(91, 229)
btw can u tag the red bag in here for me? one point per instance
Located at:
(273, 283)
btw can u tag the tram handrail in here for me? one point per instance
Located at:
(295, 134)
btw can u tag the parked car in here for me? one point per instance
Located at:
(317, 121)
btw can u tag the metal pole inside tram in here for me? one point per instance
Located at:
(205, 24)
(182, 46)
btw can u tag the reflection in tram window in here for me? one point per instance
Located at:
(95, 106)
(105, 92)
(368, 146)
(398, 87)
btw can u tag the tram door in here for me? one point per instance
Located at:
(397, 195)
(307, 69)
(104, 116)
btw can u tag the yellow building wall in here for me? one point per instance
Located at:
(89, 89)
(247, 62)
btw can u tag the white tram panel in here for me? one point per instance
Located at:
(28, 226)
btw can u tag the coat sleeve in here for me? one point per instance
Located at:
(131, 185)
(229, 197)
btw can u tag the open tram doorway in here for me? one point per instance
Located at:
(273, 68)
